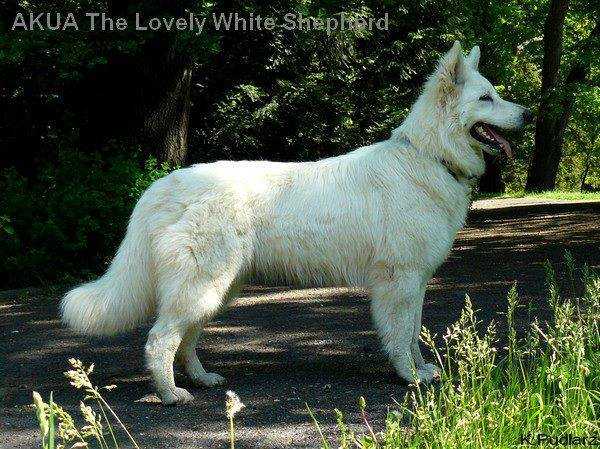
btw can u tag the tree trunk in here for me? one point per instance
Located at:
(144, 99)
(555, 109)
(491, 181)
(586, 169)
(165, 105)
(550, 123)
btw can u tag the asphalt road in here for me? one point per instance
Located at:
(281, 348)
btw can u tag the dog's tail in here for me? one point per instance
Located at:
(123, 297)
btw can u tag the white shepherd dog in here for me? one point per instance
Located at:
(382, 217)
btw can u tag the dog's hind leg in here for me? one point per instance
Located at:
(394, 305)
(163, 340)
(179, 321)
(188, 357)
(194, 274)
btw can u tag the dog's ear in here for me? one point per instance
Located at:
(474, 56)
(451, 68)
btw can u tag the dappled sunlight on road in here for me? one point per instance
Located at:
(279, 348)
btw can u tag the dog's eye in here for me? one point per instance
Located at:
(486, 97)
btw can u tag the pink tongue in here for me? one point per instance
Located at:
(503, 142)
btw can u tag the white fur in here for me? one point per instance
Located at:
(382, 217)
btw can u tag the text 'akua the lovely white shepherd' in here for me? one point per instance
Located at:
(382, 217)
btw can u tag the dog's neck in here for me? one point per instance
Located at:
(434, 132)
(456, 173)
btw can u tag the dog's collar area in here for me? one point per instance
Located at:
(456, 174)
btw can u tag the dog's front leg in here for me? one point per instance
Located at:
(396, 306)
(415, 349)
(414, 346)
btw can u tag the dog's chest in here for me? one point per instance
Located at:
(450, 222)
(447, 235)
(425, 228)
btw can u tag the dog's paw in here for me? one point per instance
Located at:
(427, 373)
(208, 379)
(433, 369)
(176, 396)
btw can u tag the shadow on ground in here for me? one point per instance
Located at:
(313, 346)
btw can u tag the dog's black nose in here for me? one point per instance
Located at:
(528, 117)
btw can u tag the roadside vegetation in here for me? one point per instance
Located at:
(563, 195)
(542, 387)
(99, 425)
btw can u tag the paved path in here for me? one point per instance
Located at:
(280, 349)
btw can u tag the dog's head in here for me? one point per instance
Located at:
(476, 108)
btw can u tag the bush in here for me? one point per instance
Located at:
(67, 222)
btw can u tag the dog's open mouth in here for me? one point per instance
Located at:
(490, 136)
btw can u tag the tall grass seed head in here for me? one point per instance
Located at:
(233, 404)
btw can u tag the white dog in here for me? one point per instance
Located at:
(381, 217)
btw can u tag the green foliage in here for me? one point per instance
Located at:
(68, 222)
(547, 382)
(319, 95)
(582, 146)
(309, 94)
(277, 95)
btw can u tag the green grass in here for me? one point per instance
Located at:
(549, 195)
(546, 382)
